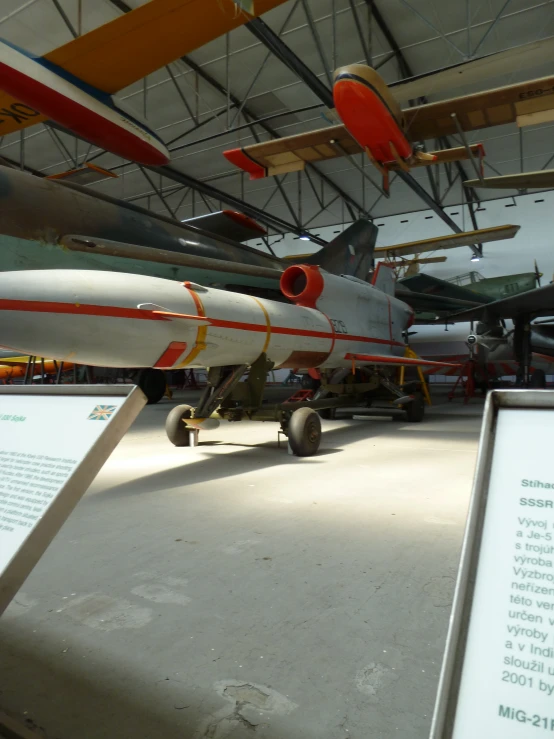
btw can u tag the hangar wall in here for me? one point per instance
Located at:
(533, 212)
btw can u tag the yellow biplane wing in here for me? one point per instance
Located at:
(452, 241)
(526, 104)
(136, 44)
(436, 243)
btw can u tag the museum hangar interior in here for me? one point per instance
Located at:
(315, 235)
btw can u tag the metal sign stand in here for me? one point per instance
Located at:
(53, 441)
(497, 677)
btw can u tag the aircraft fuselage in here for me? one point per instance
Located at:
(36, 213)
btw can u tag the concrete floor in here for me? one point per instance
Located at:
(235, 591)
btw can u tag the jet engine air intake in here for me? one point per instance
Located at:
(302, 284)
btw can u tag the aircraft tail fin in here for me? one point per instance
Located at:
(384, 278)
(350, 253)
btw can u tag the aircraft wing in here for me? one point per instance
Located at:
(535, 303)
(429, 285)
(14, 361)
(476, 70)
(292, 153)
(138, 43)
(542, 178)
(133, 45)
(436, 304)
(526, 104)
(398, 361)
(109, 248)
(466, 238)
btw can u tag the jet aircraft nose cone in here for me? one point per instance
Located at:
(91, 317)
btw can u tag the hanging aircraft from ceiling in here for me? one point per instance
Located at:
(374, 123)
(74, 84)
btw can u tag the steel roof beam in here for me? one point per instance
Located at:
(262, 66)
(66, 20)
(433, 27)
(250, 210)
(317, 41)
(257, 121)
(271, 41)
(350, 203)
(218, 195)
(407, 71)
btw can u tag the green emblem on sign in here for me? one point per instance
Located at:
(102, 413)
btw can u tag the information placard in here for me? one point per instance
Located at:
(53, 441)
(498, 673)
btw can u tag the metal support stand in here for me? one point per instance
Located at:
(467, 385)
(410, 354)
(28, 370)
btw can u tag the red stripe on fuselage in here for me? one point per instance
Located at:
(80, 309)
(78, 118)
(107, 311)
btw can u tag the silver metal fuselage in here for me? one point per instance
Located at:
(115, 320)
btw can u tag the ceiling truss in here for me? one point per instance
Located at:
(177, 191)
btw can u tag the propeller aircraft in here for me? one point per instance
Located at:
(374, 123)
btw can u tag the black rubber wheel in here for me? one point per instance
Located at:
(152, 383)
(304, 432)
(416, 409)
(175, 427)
(538, 380)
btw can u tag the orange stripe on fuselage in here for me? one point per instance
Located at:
(202, 331)
(267, 324)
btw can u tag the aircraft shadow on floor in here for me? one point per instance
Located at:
(252, 458)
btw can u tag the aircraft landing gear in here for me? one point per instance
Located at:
(176, 429)
(227, 397)
(304, 432)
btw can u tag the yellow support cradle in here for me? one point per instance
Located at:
(410, 354)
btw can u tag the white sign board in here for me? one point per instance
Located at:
(53, 441)
(498, 674)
